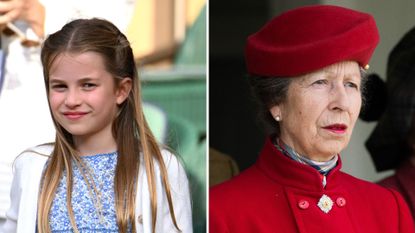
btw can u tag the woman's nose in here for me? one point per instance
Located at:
(339, 100)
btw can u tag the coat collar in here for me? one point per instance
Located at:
(293, 174)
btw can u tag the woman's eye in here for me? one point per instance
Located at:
(352, 85)
(320, 82)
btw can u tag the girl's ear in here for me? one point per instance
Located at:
(123, 90)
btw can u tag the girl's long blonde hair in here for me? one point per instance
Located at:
(130, 129)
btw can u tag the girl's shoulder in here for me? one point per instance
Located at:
(174, 168)
(176, 173)
(168, 156)
(34, 155)
(172, 162)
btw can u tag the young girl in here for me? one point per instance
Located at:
(105, 172)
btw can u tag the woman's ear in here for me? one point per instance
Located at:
(123, 90)
(276, 112)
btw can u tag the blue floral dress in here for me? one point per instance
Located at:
(90, 216)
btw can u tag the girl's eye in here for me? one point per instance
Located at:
(89, 86)
(58, 87)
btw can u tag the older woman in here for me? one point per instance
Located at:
(306, 67)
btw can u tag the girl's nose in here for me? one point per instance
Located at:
(72, 99)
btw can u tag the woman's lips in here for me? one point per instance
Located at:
(74, 115)
(336, 128)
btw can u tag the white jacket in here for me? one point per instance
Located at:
(28, 167)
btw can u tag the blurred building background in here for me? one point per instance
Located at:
(169, 43)
(233, 125)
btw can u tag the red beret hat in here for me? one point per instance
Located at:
(309, 38)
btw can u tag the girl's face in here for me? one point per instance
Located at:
(82, 94)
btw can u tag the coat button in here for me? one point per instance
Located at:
(340, 201)
(303, 204)
(140, 219)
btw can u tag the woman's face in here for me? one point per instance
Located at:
(320, 110)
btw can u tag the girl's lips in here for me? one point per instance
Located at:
(74, 115)
(336, 128)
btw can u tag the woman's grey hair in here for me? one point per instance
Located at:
(270, 91)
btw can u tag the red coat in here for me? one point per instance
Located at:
(278, 194)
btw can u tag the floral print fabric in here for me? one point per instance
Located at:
(93, 211)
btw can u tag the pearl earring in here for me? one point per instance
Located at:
(277, 118)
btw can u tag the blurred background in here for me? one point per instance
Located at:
(234, 129)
